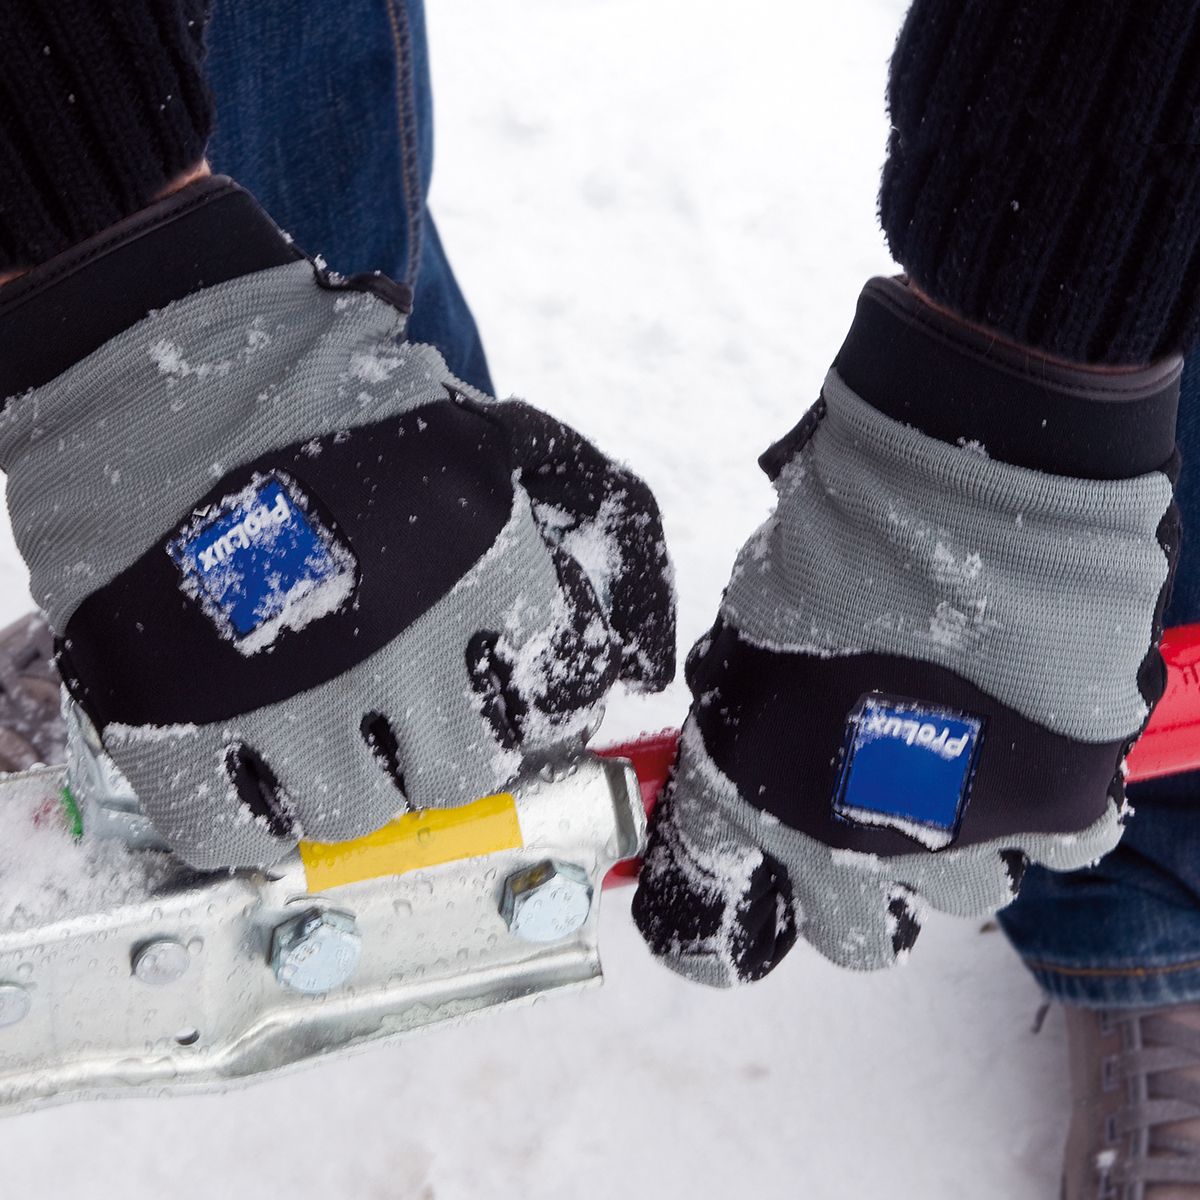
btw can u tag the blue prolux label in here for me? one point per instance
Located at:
(908, 764)
(247, 563)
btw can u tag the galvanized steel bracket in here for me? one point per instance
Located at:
(123, 972)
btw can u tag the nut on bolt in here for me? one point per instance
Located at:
(546, 902)
(315, 951)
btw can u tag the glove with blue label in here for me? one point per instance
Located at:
(930, 661)
(303, 579)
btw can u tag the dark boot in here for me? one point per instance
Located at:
(1135, 1123)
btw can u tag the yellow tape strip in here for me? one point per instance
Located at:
(416, 840)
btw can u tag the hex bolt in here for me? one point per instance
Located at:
(14, 1003)
(546, 902)
(315, 951)
(161, 961)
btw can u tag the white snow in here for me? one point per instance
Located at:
(662, 211)
(374, 366)
(927, 835)
(170, 360)
(44, 876)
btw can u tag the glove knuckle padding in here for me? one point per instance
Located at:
(316, 695)
(846, 901)
(335, 784)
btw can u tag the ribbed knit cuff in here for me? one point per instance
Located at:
(1043, 173)
(101, 105)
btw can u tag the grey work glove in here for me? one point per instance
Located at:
(930, 661)
(303, 579)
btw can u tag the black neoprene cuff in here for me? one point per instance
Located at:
(59, 313)
(960, 385)
(207, 233)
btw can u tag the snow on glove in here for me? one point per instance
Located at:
(930, 661)
(302, 578)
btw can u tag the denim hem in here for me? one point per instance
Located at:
(1120, 987)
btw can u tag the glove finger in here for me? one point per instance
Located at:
(976, 881)
(210, 817)
(461, 684)
(969, 883)
(607, 519)
(582, 661)
(326, 753)
(715, 909)
(857, 920)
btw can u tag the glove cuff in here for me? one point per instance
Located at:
(963, 386)
(208, 233)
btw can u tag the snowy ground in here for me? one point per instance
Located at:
(662, 211)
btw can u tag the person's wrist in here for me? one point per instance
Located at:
(1000, 338)
(200, 170)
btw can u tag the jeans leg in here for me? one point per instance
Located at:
(324, 112)
(1127, 932)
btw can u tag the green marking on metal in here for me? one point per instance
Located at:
(71, 812)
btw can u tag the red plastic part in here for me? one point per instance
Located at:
(1170, 744)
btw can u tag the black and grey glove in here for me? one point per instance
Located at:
(930, 661)
(301, 577)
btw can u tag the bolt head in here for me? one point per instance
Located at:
(14, 1003)
(546, 902)
(315, 951)
(161, 961)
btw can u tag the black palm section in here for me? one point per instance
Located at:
(564, 472)
(381, 739)
(259, 790)
(673, 915)
(906, 926)
(1016, 864)
(491, 676)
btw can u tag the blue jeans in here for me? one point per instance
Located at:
(324, 113)
(1127, 932)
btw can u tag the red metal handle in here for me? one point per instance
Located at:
(1170, 744)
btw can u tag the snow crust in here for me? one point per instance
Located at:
(45, 875)
(679, 213)
(927, 835)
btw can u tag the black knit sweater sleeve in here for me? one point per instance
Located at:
(101, 104)
(1043, 173)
